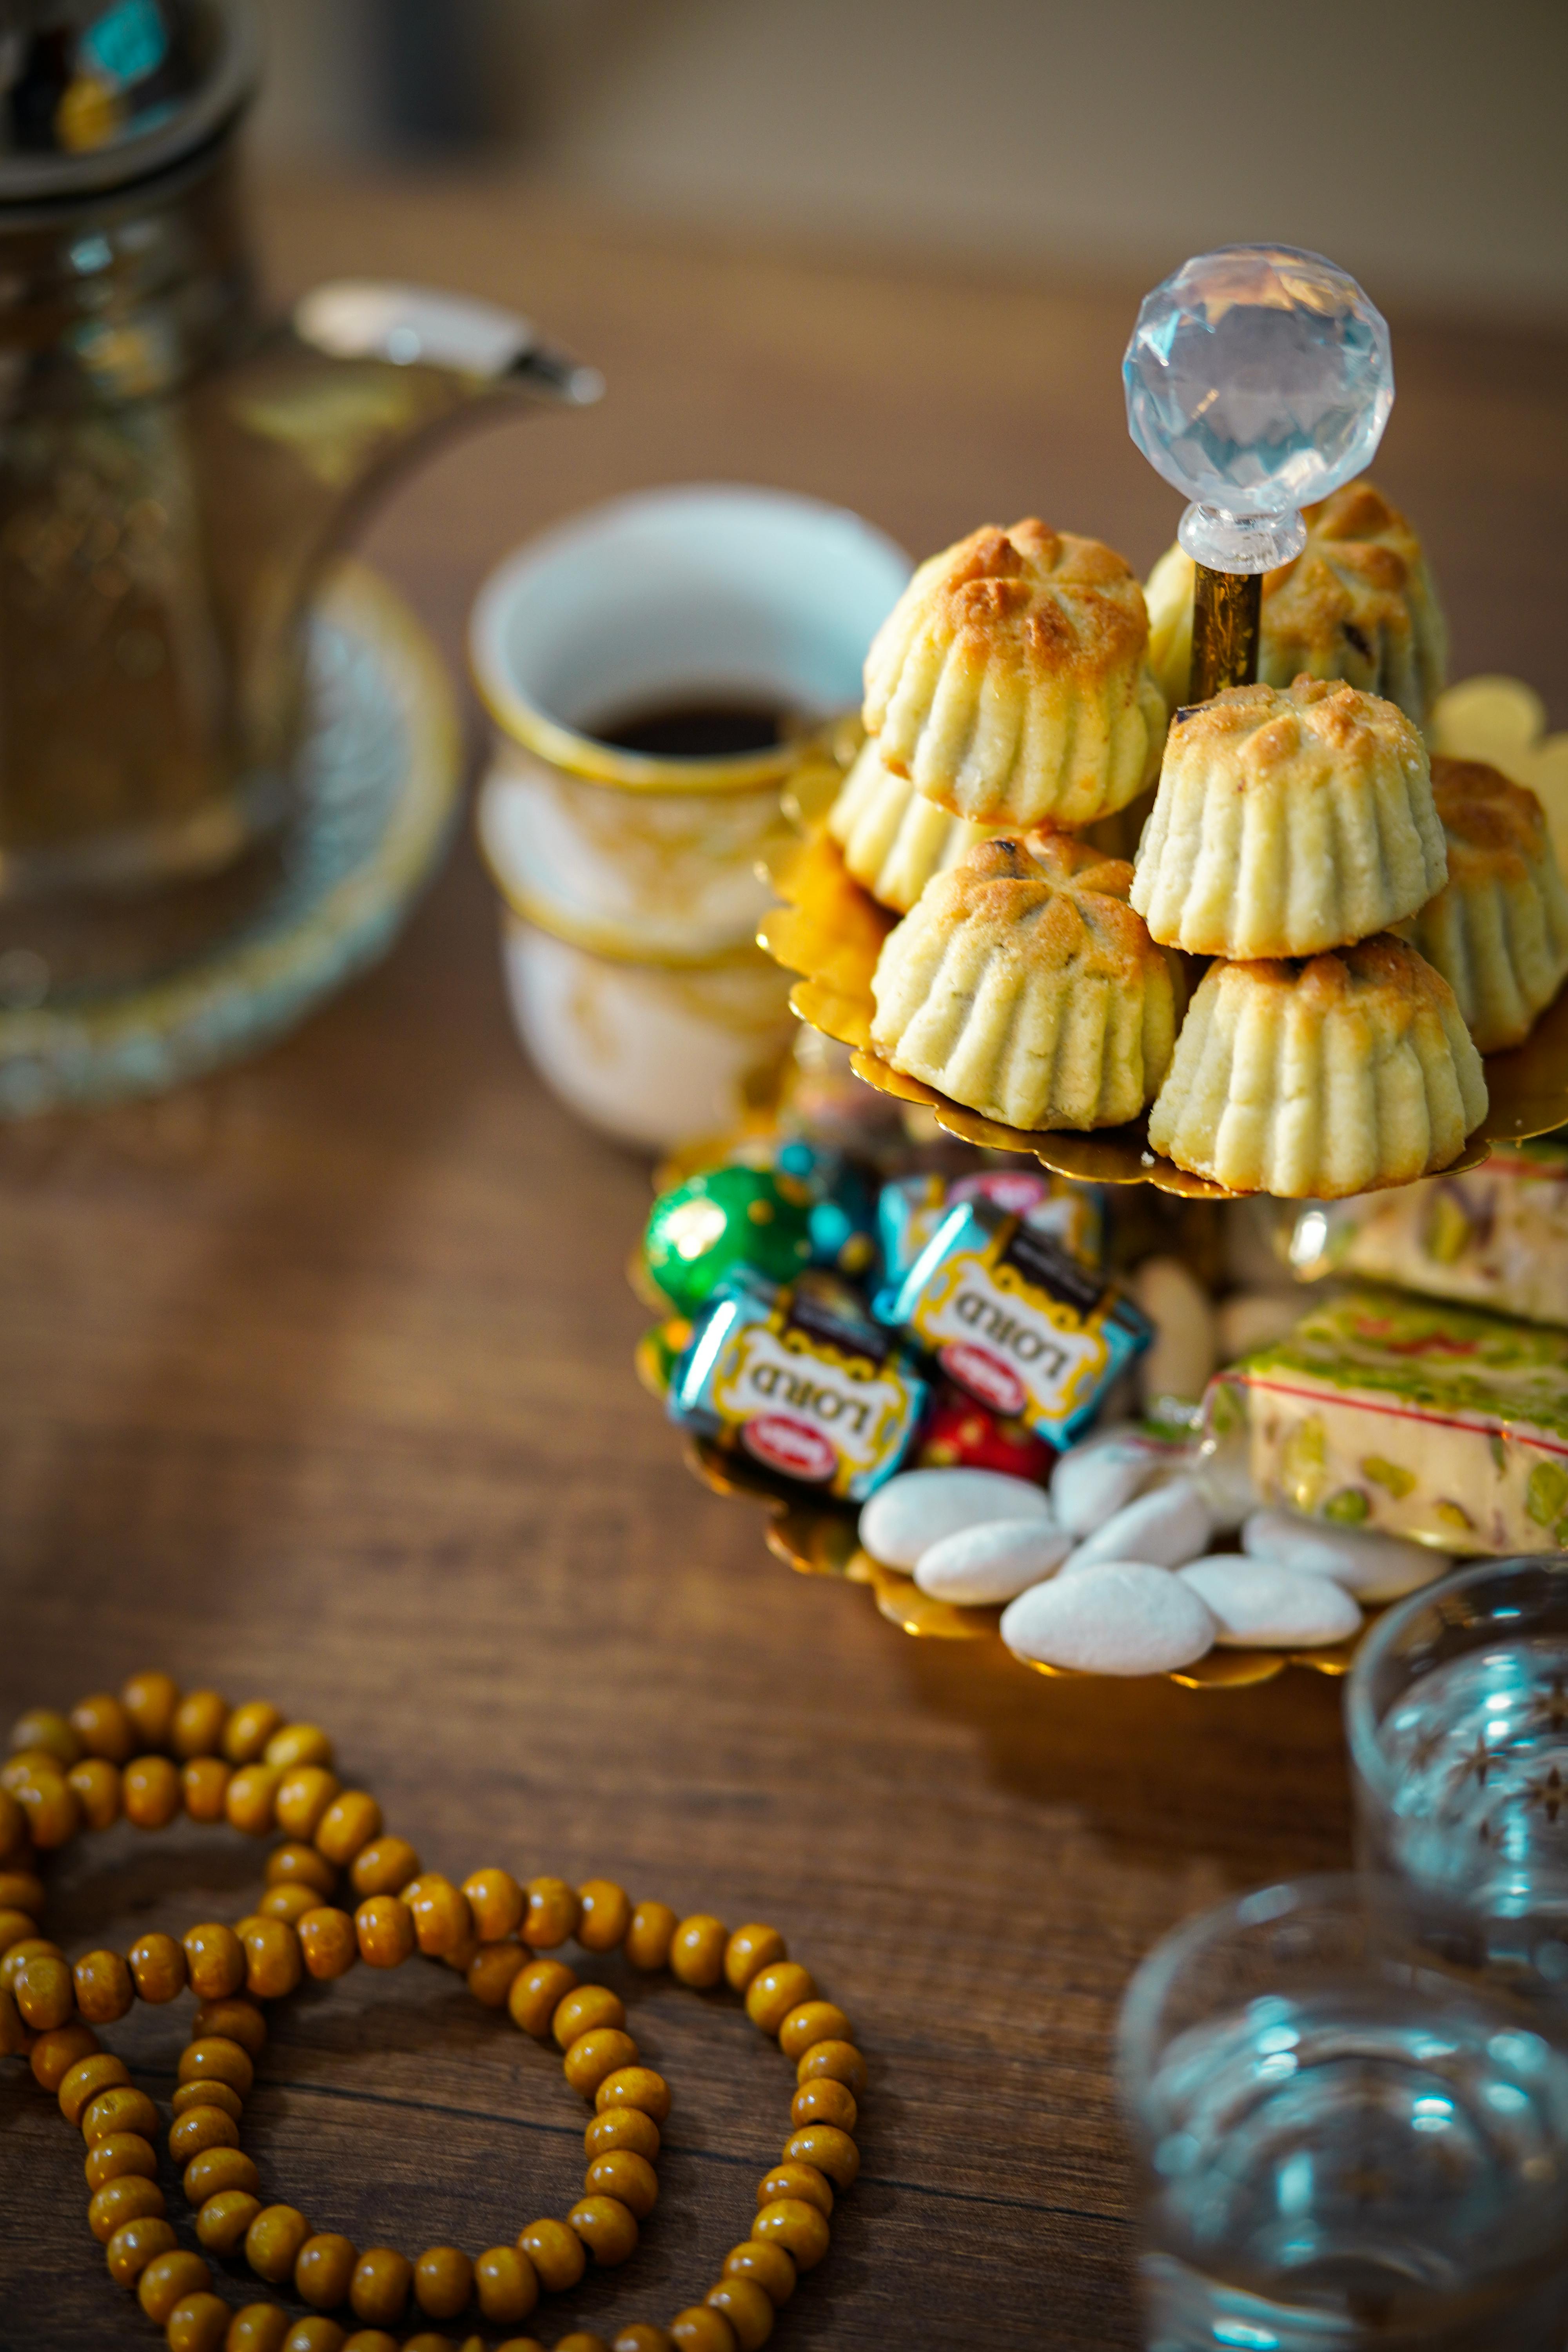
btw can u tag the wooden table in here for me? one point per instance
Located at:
(316, 1384)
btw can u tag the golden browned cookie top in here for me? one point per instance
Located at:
(1053, 899)
(1496, 830)
(1376, 974)
(1255, 732)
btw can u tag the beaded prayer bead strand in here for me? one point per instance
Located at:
(153, 1752)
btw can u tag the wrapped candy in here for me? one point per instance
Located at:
(960, 1433)
(724, 1219)
(800, 1378)
(1410, 1415)
(910, 1208)
(1016, 1321)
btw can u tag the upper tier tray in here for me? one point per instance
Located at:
(831, 931)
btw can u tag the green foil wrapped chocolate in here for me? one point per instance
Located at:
(725, 1218)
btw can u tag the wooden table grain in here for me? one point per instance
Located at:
(315, 1383)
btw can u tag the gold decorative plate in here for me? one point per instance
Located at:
(818, 1539)
(831, 931)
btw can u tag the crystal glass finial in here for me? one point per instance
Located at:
(1258, 378)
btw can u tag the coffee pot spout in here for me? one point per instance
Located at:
(485, 351)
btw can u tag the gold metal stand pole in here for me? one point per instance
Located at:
(1227, 608)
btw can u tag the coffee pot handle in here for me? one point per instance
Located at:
(372, 318)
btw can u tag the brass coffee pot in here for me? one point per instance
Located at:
(175, 469)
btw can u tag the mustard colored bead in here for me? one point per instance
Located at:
(324, 2269)
(535, 1994)
(201, 2128)
(52, 1808)
(259, 2327)
(378, 2290)
(28, 1764)
(53, 2055)
(748, 1950)
(490, 1972)
(774, 1991)
(248, 1730)
(701, 2329)
(579, 2339)
(167, 2280)
(157, 1965)
(765, 2262)
(550, 1916)
(221, 2058)
(607, 2227)
(592, 2058)
(199, 1725)
(149, 1701)
(207, 2092)
(236, 2019)
(120, 2110)
(506, 2285)
(802, 2181)
(104, 1989)
(21, 1890)
(384, 1867)
(104, 1728)
(273, 2241)
(42, 1729)
(198, 2323)
(316, 2334)
(377, 2339)
(625, 2176)
(16, 1927)
(14, 2037)
(350, 1822)
(746, 2307)
(298, 1863)
(635, 2087)
(272, 1963)
(126, 2199)
(810, 2021)
(443, 2282)
(626, 2127)
(203, 1785)
(697, 1950)
(604, 1915)
(799, 2228)
(18, 1953)
(95, 1785)
(120, 2153)
(585, 2010)
(225, 2218)
(303, 1796)
(149, 1793)
(135, 2244)
(289, 1902)
(249, 1799)
(838, 2060)
(328, 1942)
(828, 2151)
(823, 2101)
(556, 2254)
(496, 1903)
(642, 2337)
(384, 1928)
(217, 2170)
(648, 1939)
(442, 1920)
(45, 1993)
(299, 1743)
(86, 2079)
(429, 2339)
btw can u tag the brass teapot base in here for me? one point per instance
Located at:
(242, 956)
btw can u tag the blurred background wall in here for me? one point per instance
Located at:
(1422, 143)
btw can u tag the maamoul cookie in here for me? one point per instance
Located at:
(1024, 986)
(1288, 819)
(892, 838)
(1314, 1080)
(1011, 680)
(1498, 930)
(1358, 602)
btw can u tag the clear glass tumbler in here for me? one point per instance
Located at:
(1349, 2135)
(1457, 1715)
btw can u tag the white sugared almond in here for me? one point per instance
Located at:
(1373, 1565)
(1116, 1618)
(1258, 1605)
(1162, 1530)
(991, 1562)
(1101, 1474)
(916, 1508)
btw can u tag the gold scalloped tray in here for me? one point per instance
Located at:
(831, 931)
(818, 1539)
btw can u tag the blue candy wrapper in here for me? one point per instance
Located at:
(802, 1380)
(1016, 1320)
(909, 1209)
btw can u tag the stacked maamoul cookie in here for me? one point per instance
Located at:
(1376, 919)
